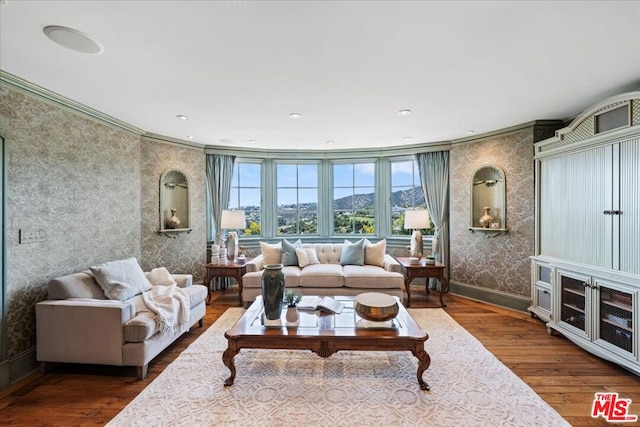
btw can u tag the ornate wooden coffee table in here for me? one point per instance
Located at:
(325, 334)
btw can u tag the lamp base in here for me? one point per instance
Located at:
(232, 245)
(417, 249)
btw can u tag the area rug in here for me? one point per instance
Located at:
(469, 386)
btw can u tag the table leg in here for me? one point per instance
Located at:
(444, 286)
(407, 285)
(227, 359)
(207, 283)
(424, 360)
(239, 280)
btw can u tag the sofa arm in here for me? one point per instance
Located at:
(390, 264)
(81, 330)
(183, 280)
(255, 264)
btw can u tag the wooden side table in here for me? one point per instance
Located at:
(411, 271)
(231, 269)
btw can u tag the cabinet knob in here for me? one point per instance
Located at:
(608, 212)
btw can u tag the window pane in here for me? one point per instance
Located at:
(287, 199)
(246, 195)
(297, 199)
(364, 175)
(406, 193)
(308, 176)
(354, 198)
(287, 175)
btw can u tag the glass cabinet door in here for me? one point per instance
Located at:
(574, 298)
(616, 324)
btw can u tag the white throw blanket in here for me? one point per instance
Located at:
(171, 306)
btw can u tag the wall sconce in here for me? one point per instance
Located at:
(232, 220)
(416, 221)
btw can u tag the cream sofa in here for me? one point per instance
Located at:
(78, 324)
(329, 277)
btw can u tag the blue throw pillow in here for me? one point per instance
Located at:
(289, 256)
(352, 253)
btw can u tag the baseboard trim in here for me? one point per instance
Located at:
(17, 368)
(490, 296)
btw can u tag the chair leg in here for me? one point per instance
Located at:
(200, 323)
(142, 371)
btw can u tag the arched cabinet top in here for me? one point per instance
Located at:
(602, 122)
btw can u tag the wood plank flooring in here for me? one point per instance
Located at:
(564, 375)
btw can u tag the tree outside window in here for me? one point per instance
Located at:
(354, 198)
(297, 199)
(406, 193)
(246, 187)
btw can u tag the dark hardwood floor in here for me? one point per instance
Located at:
(564, 375)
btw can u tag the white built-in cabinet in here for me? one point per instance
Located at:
(585, 276)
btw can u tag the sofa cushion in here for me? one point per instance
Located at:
(289, 256)
(322, 276)
(196, 294)
(272, 254)
(374, 252)
(352, 253)
(291, 278)
(369, 276)
(307, 256)
(160, 277)
(142, 327)
(76, 285)
(121, 280)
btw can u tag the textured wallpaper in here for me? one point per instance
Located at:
(93, 191)
(500, 263)
(187, 252)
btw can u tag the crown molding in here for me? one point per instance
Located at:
(27, 87)
(162, 139)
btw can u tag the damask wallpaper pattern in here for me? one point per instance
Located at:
(187, 252)
(92, 189)
(500, 263)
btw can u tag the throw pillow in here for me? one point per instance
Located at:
(289, 256)
(272, 254)
(160, 277)
(374, 253)
(352, 253)
(307, 256)
(121, 280)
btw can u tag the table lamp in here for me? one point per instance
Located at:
(232, 220)
(416, 221)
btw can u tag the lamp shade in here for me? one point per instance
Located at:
(233, 220)
(416, 220)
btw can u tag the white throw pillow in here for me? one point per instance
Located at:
(272, 254)
(374, 253)
(121, 280)
(160, 277)
(307, 256)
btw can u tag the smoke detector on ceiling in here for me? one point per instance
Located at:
(73, 39)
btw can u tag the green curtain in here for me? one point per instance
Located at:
(434, 177)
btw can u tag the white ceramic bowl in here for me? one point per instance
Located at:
(376, 307)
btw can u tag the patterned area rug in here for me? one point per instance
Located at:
(469, 386)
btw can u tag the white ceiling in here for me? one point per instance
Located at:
(238, 68)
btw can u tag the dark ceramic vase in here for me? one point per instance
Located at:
(273, 291)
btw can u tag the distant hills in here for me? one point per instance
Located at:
(366, 201)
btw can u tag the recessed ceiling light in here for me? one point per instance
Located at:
(330, 142)
(252, 141)
(469, 132)
(295, 116)
(190, 136)
(73, 39)
(407, 138)
(405, 112)
(182, 117)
